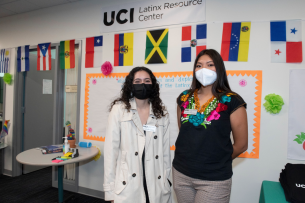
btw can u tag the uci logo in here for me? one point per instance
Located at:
(299, 185)
(118, 17)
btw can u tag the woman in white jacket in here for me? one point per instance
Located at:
(137, 159)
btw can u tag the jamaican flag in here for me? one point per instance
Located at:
(156, 46)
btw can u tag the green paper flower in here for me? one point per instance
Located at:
(7, 78)
(273, 103)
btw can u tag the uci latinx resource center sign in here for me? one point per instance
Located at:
(151, 13)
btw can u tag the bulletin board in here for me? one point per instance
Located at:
(101, 90)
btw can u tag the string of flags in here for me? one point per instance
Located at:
(44, 60)
(193, 41)
(156, 46)
(66, 54)
(5, 60)
(286, 41)
(23, 61)
(123, 49)
(285, 38)
(94, 51)
(235, 41)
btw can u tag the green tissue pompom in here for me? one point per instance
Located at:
(273, 103)
(7, 78)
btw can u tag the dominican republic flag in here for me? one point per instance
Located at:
(23, 62)
(44, 57)
(235, 41)
(193, 41)
(5, 60)
(286, 41)
(94, 51)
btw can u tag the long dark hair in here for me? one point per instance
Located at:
(221, 85)
(154, 99)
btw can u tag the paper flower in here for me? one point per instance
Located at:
(7, 78)
(106, 68)
(221, 107)
(273, 103)
(214, 116)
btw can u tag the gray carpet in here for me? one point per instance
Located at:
(36, 187)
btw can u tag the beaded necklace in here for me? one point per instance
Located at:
(197, 104)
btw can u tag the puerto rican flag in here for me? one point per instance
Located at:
(193, 41)
(44, 57)
(286, 41)
(94, 51)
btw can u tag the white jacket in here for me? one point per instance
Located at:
(124, 145)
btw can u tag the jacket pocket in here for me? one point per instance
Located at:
(122, 178)
(167, 184)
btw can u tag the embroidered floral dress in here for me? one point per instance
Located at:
(203, 147)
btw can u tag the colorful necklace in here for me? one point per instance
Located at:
(197, 104)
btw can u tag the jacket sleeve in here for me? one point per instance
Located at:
(111, 151)
(166, 148)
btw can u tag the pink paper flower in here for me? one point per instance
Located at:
(184, 104)
(106, 68)
(214, 116)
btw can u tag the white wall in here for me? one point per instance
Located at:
(82, 19)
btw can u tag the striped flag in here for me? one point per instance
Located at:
(94, 50)
(235, 41)
(5, 60)
(66, 54)
(286, 41)
(23, 62)
(193, 41)
(44, 57)
(5, 128)
(123, 49)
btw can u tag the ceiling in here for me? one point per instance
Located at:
(13, 7)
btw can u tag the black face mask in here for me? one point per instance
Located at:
(142, 91)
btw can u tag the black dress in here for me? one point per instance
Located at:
(144, 178)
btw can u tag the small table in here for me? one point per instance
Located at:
(272, 192)
(36, 158)
(2, 146)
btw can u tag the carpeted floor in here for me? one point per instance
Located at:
(36, 187)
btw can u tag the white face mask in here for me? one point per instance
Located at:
(205, 76)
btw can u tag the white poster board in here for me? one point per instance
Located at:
(296, 119)
(100, 91)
